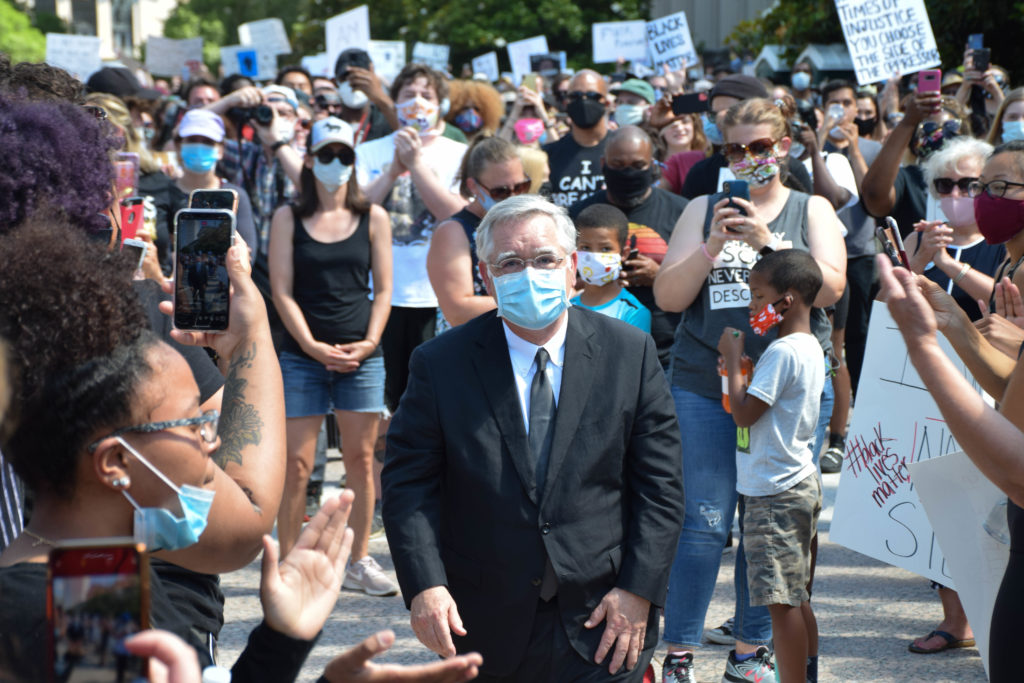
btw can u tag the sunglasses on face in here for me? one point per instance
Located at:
(590, 95)
(950, 127)
(946, 185)
(345, 155)
(736, 151)
(505, 191)
(326, 100)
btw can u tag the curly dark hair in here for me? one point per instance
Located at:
(78, 342)
(56, 155)
(42, 82)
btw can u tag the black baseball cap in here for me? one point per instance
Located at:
(353, 56)
(121, 82)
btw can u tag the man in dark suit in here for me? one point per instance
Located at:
(533, 480)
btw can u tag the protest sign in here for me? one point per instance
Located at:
(345, 30)
(884, 36)
(669, 42)
(615, 39)
(963, 507)
(268, 34)
(318, 65)
(167, 56)
(896, 423)
(434, 56)
(388, 57)
(487, 64)
(548, 65)
(519, 54)
(249, 60)
(78, 55)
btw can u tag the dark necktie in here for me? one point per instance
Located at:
(542, 420)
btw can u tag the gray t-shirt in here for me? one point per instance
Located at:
(789, 377)
(860, 226)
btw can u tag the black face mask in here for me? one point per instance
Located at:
(585, 112)
(866, 126)
(628, 185)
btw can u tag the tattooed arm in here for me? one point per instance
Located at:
(251, 453)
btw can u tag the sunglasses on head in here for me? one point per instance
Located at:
(946, 185)
(345, 155)
(737, 151)
(505, 191)
(579, 94)
(98, 113)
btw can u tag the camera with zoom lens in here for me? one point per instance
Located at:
(262, 114)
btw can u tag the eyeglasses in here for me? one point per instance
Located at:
(506, 191)
(994, 189)
(589, 94)
(736, 152)
(514, 264)
(345, 155)
(207, 427)
(946, 185)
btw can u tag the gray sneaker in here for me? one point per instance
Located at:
(832, 460)
(367, 576)
(678, 669)
(721, 635)
(757, 669)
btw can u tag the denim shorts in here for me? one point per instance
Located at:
(310, 389)
(777, 533)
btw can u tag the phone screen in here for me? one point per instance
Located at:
(202, 239)
(96, 598)
(213, 199)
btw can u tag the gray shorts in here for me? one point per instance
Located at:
(777, 534)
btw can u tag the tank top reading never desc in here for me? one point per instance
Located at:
(331, 284)
(723, 302)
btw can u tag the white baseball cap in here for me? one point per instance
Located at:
(330, 130)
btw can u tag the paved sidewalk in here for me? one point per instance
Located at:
(868, 612)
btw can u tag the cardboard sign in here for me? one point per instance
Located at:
(318, 65)
(434, 56)
(388, 57)
(487, 64)
(615, 39)
(519, 55)
(248, 60)
(877, 511)
(669, 42)
(78, 55)
(268, 34)
(884, 36)
(349, 29)
(167, 56)
(966, 509)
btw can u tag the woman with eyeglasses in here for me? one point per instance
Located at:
(323, 251)
(491, 171)
(704, 275)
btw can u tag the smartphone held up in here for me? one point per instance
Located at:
(202, 238)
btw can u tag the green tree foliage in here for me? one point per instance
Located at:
(186, 22)
(797, 23)
(18, 38)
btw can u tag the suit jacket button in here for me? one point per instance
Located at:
(546, 529)
(536, 582)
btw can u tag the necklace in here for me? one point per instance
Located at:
(40, 540)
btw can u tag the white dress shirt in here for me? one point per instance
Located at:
(524, 354)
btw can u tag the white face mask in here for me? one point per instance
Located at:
(332, 175)
(598, 268)
(351, 98)
(285, 129)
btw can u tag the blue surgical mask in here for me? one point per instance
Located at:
(158, 528)
(629, 114)
(486, 200)
(332, 175)
(801, 80)
(711, 131)
(1013, 130)
(532, 298)
(197, 157)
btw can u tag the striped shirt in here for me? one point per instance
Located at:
(11, 504)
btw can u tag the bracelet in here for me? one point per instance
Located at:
(961, 274)
(707, 255)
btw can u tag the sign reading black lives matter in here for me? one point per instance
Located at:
(885, 36)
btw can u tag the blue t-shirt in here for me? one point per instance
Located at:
(625, 307)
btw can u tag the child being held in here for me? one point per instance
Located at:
(776, 475)
(601, 246)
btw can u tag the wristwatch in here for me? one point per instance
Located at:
(772, 245)
(277, 145)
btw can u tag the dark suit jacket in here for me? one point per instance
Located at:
(461, 507)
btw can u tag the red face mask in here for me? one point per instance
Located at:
(766, 318)
(998, 218)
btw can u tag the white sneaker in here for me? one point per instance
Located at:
(368, 576)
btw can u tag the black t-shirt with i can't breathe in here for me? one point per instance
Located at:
(575, 170)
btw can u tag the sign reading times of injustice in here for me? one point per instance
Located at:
(669, 42)
(877, 511)
(885, 36)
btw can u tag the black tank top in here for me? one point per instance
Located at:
(331, 284)
(469, 222)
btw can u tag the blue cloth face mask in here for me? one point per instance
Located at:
(801, 80)
(197, 157)
(158, 528)
(532, 298)
(711, 131)
(1013, 130)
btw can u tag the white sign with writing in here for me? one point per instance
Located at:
(78, 55)
(487, 64)
(669, 42)
(519, 54)
(318, 65)
(434, 56)
(896, 423)
(167, 56)
(388, 57)
(345, 30)
(615, 39)
(268, 34)
(249, 60)
(884, 36)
